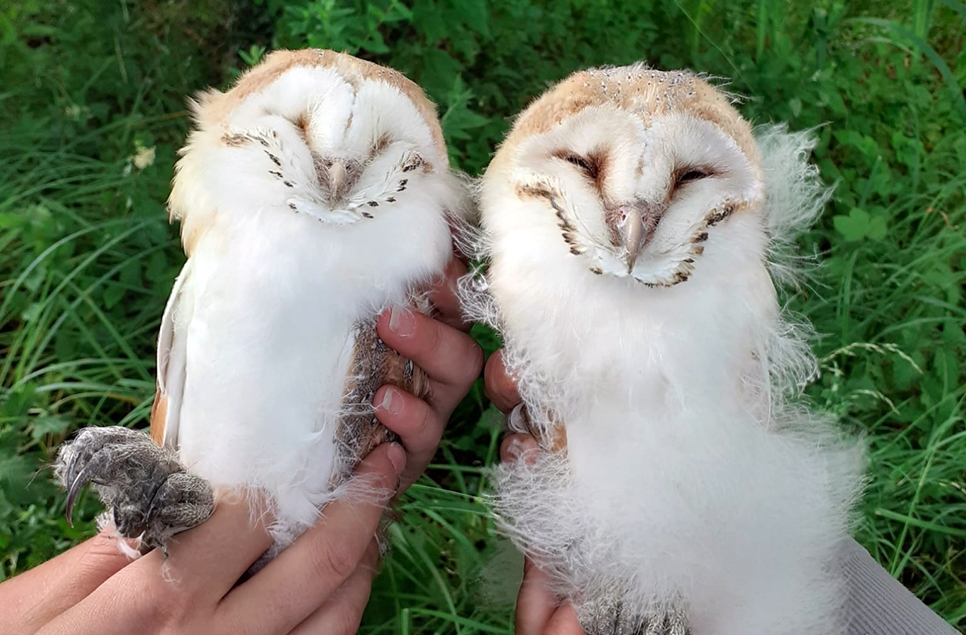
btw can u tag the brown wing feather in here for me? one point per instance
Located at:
(159, 414)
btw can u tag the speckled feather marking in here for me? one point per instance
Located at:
(270, 142)
(567, 229)
(685, 268)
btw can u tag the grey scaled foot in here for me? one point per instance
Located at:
(607, 616)
(148, 493)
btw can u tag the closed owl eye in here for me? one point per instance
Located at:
(688, 174)
(691, 173)
(590, 166)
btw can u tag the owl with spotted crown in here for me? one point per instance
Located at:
(635, 227)
(313, 195)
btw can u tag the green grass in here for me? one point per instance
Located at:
(87, 257)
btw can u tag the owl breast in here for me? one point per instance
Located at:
(282, 355)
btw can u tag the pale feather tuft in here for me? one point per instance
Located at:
(794, 196)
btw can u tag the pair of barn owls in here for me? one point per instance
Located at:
(628, 219)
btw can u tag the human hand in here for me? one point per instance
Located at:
(450, 358)
(320, 583)
(538, 610)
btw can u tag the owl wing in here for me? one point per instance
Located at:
(172, 361)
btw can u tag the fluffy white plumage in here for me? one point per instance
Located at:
(684, 484)
(312, 196)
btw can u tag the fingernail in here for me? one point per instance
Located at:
(397, 456)
(515, 421)
(391, 402)
(402, 322)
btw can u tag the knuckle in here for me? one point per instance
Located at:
(332, 558)
(159, 603)
(347, 620)
(473, 364)
(429, 430)
(104, 545)
(432, 333)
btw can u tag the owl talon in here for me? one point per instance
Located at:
(148, 493)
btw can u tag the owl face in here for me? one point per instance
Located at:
(636, 168)
(322, 134)
(354, 118)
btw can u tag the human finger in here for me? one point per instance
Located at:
(450, 358)
(37, 596)
(564, 622)
(445, 298)
(418, 425)
(207, 560)
(341, 614)
(518, 445)
(498, 385)
(303, 577)
(536, 604)
(179, 592)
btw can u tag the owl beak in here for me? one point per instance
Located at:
(636, 228)
(633, 233)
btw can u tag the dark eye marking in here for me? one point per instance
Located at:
(583, 164)
(591, 165)
(689, 173)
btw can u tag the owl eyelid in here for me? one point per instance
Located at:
(691, 173)
(588, 166)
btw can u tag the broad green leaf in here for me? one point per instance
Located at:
(853, 227)
(51, 424)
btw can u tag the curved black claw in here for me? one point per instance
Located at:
(77, 483)
(148, 493)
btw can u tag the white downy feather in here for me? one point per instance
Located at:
(693, 476)
(259, 329)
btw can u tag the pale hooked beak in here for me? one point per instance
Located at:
(633, 235)
(636, 225)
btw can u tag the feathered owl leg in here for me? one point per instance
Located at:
(608, 615)
(148, 493)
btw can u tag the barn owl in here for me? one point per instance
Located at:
(633, 223)
(312, 195)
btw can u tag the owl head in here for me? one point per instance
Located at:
(317, 133)
(634, 168)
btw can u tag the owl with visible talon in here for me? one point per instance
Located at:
(635, 226)
(313, 195)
